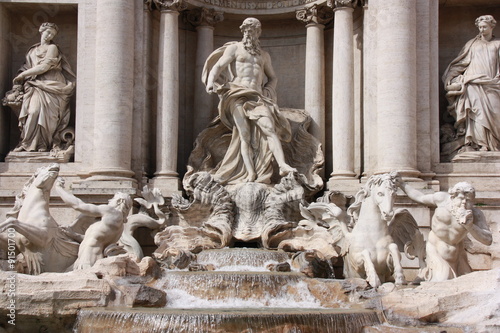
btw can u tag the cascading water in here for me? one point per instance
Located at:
(223, 321)
(238, 295)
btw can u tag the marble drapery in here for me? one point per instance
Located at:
(45, 109)
(473, 83)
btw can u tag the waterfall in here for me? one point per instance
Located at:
(214, 321)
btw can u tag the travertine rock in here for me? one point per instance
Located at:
(472, 300)
(121, 265)
(56, 294)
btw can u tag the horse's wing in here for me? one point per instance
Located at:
(328, 215)
(340, 239)
(404, 230)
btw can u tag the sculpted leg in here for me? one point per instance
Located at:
(396, 261)
(371, 273)
(439, 269)
(87, 256)
(243, 126)
(34, 234)
(267, 127)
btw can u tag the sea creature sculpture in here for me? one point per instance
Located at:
(45, 247)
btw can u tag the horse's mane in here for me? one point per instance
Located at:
(20, 197)
(364, 192)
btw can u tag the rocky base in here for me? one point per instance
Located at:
(471, 302)
(50, 302)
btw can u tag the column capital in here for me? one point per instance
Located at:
(342, 4)
(204, 17)
(314, 14)
(165, 5)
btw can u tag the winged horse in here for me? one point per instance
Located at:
(372, 250)
(38, 236)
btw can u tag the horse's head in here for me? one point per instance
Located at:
(46, 176)
(383, 192)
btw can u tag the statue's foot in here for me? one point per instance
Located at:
(18, 149)
(285, 169)
(483, 148)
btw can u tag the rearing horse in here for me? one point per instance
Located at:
(372, 252)
(44, 246)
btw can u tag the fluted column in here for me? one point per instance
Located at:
(343, 90)
(142, 95)
(204, 20)
(434, 79)
(114, 89)
(396, 93)
(315, 18)
(167, 131)
(369, 88)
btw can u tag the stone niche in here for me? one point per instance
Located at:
(456, 27)
(19, 25)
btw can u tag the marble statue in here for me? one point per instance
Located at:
(454, 218)
(102, 233)
(242, 75)
(48, 84)
(152, 198)
(44, 246)
(472, 82)
(372, 243)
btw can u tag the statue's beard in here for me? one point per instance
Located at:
(252, 45)
(460, 212)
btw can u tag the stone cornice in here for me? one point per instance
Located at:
(255, 7)
(204, 17)
(339, 4)
(164, 5)
(314, 14)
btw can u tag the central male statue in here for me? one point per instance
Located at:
(242, 75)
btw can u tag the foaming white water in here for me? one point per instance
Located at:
(301, 298)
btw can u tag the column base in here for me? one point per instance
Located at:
(111, 173)
(104, 186)
(168, 185)
(347, 186)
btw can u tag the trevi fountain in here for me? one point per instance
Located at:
(249, 166)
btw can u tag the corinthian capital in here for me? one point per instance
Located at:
(342, 3)
(161, 5)
(204, 17)
(314, 14)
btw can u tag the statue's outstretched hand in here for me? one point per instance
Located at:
(18, 79)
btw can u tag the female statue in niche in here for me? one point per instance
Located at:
(472, 82)
(48, 83)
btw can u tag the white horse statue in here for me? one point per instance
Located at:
(43, 244)
(372, 250)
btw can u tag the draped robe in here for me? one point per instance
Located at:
(45, 109)
(476, 105)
